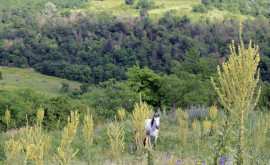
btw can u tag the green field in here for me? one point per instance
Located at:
(15, 78)
(180, 8)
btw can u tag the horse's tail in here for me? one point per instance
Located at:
(143, 138)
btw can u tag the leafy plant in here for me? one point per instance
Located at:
(238, 88)
(65, 151)
(116, 133)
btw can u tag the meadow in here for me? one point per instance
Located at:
(169, 148)
(177, 7)
(16, 78)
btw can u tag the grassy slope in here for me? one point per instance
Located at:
(15, 78)
(180, 7)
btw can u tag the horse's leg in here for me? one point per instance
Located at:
(155, 142)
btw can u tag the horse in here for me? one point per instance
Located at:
(151, 127)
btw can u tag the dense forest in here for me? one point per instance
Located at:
(93, 47)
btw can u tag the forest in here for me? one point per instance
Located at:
(106, 72)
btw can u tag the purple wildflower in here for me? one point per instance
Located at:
(221, 160)
(169, 150)
(159, 155)
(130, 148)
(165, 155)
(226, 157)
(204, 164)
(179, 161)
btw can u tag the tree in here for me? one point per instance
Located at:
(130, 2)
(238, 91)
(84, 88)
(146, 82)
(50, 8)
(64, 88)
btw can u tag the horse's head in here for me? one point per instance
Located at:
(155, 121)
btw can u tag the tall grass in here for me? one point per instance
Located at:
(65, 151)
(140, 113)
(116, 134)
(88, 126)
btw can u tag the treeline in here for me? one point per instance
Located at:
(93, 48)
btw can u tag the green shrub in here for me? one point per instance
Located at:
(199, 9)
(130, 2)
(64, 88)
(145, 4)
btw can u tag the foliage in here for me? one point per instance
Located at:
(199, 9)
(65, 151)
(64, 88)
(116, 133)
(238, 88)
(255, 8)
(130, 2)
(145, 4)
(146, 82)
(84, 88)
(67, 46)
(107, 98)
(50, 8)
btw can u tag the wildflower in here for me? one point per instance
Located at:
(179, 161)
(165, 155)
(226, 157)
(169, 150)
(221, 160)
(159, 155)
(130, 148)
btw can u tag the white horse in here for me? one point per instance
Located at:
(151, 127)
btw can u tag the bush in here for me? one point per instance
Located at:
(145, 4)
(130, 2)
(199, 9)
(64, 88)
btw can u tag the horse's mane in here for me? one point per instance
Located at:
(152, 121)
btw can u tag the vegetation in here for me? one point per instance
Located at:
(133, 59)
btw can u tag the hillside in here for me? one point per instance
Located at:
(16, 78)
(178, 8)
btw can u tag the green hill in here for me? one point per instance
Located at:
(15, 78)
